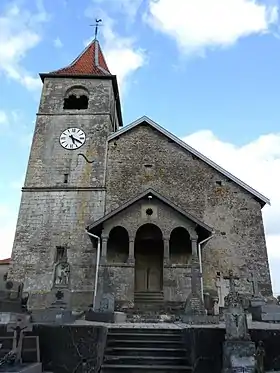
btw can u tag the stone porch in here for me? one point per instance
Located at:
(148, 247)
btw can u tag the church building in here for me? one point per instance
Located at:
(152, 204)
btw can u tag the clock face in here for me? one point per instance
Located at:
(72, 138)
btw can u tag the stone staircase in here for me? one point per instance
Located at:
(150, 297)
(132, 350)
(149, 307)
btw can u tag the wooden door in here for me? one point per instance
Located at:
(148, 272)
(154, 273)
(141, 273)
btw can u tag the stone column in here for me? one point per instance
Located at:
(166, 252)
(104, 241)
(194, 248)
(131, 258)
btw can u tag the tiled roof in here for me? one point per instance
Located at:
(90, 62)
(5, 261)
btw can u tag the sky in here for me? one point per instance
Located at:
(207, 71)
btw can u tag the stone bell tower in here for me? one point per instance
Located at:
(65, 181)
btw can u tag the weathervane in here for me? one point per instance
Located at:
(97, 21)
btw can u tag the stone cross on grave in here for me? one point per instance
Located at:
(232, 278)
(22, 324)
(255, 284)
(194, 303)
(257, 298)
(195, 276)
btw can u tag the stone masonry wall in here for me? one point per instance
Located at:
(239, 241)
(53, 213)
(50, 219)
(49, 161)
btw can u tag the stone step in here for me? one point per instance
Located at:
(144, 301)
(145, 351)
(148, 295)
(145, 360)
(144, 336)
(150, 319)
(156, 295)
(107, 368)
(149, 331)
(144, 343)
(148, 292)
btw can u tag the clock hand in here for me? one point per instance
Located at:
(77, 140)
(72, 138)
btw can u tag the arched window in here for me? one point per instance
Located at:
(118, 245)
(180, 246)
(76, 99)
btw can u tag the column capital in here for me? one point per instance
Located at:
(194, 237)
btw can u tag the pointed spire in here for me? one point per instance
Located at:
(90, 62)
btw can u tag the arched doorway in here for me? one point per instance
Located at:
(148, 259)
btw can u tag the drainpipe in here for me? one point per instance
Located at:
(96, 267)
(200, 260)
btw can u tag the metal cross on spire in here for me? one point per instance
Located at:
(96, 25)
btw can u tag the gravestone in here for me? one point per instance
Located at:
(194, 311)
(259, 309)
(107, 303)
(12, 361)
(194, 303)
(19, 327)
(59, 310)
(11, 296)
(267, 313)
(104, 310)
(257, 299)
(222, 285)
(238, 349)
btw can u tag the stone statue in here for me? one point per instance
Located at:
(61, 274)
(260, 355)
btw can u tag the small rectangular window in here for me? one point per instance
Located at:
(60, 253)
(66, 178)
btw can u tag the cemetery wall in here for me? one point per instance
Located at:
(69, 348)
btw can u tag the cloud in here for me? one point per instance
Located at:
(201, 24)
(57, 43)
(127, 7)
(122, 55)
(256, 163)
(3, 119)
(20, 31)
